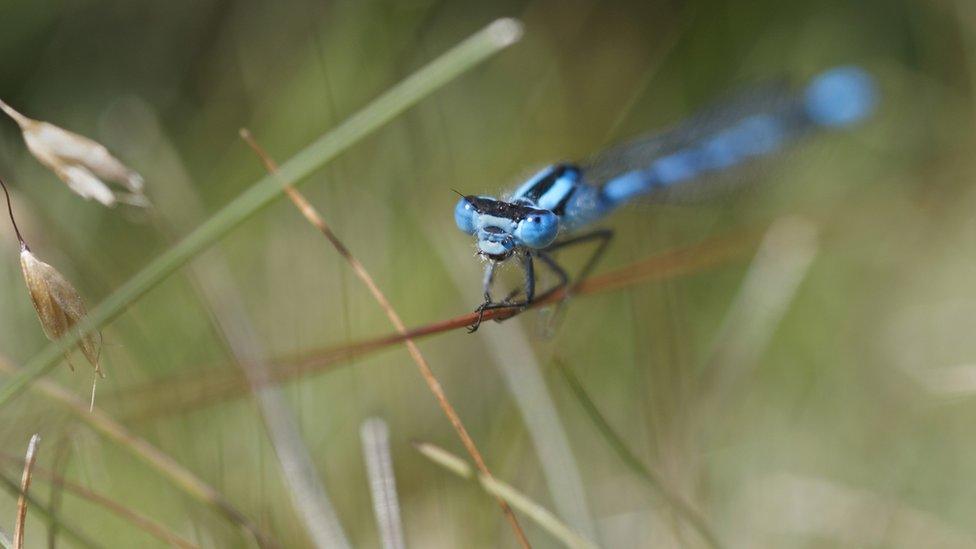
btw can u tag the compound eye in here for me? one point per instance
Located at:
(464, 215)
(538, 229)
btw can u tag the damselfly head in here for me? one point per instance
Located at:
(501, 227)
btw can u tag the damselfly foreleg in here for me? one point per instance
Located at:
(528, 269)
(602, 236)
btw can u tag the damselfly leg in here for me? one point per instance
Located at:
(528, 269)
(602, 236)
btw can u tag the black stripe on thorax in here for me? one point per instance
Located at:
(542, 187)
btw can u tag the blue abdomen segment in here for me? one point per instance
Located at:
(836, 98)
(840, 97)
(755, 136)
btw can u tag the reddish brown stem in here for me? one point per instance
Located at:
(669, 264)
(433, 384)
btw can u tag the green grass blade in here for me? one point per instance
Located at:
(407, 93)
(539, 514)
(651, 478)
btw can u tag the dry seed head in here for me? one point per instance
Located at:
(58, 305)
(84, 165)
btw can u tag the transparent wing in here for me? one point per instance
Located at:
(777, 101)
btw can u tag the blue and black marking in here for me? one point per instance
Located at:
(564, 198)
(550, 189)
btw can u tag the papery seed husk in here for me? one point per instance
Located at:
(80, 162)
(58, 305)
(85, 184)
(71, 148)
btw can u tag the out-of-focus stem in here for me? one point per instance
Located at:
(313, 217)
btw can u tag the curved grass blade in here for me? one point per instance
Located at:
(436, 74)
(539, 514)
(634, 463)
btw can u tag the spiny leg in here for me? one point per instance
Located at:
(557, 269)
(528, 269)
(486, 287)
(604, 236)
(547, 321)
(528, 288)
(488, 279)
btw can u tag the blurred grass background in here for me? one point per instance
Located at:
(850, 429)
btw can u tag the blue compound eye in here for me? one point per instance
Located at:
(464, 216)
(538, 229)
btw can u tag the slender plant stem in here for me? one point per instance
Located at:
(152, 456)
(400, 97)
(10, 210)
(539, 514)
(36, 508)
(136, 519)
(25, 482)
(155, 399)
(663, 266)
(313, 217)
(213, 282)
(650, 477)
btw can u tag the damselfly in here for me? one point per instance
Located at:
(550, 210)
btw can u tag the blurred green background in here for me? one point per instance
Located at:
(845, 421)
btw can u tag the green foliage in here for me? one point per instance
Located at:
(860, 401)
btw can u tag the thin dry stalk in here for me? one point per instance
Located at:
(509, 347)
(25, 482)
(152, 456)
(39, 509)
(136, 519)
(213, 281)
(433, 384)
